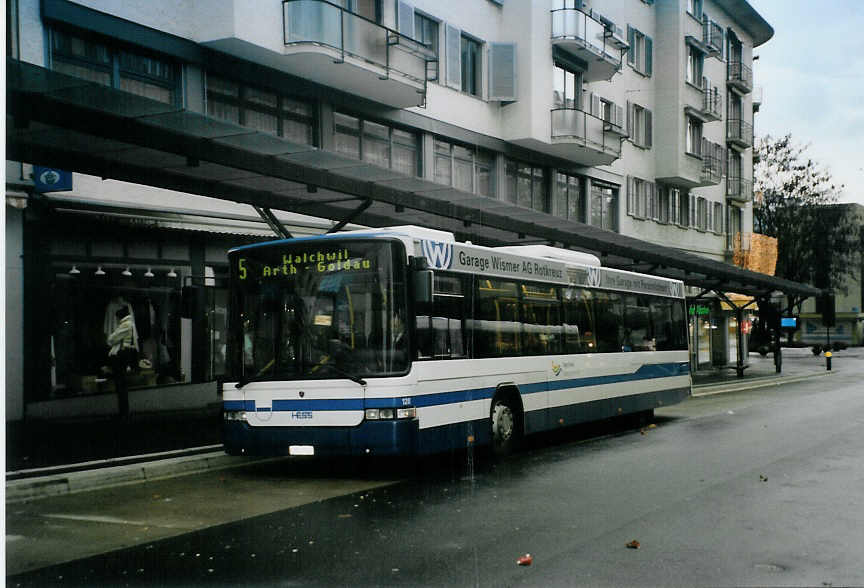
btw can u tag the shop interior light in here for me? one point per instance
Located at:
(172, 273)
(99, 271)
(126, 272)
(148, 273)
(74, 271)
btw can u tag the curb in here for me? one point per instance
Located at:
(722, 388)
(105, 477)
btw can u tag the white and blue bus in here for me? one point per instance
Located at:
(402, 341)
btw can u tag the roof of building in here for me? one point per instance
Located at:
(748, 19)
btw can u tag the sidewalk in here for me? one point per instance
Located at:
(50, 458)
(798, 363)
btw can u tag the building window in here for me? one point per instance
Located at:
(261, 110)
(640, 55)
(695, 66)
(604, 206)
(639, 125)
(701, 214)
(121, 68)
(718, 218)
(569, 197)
(426, 32)
(368, 9)
(526, 186)
(694, 8)
(465, 168)
(375, 143)
(642, 198)
(471, 66)
(693, 139)
(567, 87)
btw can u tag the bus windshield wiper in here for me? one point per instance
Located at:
(261, 376)
(325, 363)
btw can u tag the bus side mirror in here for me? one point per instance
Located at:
(424, 281)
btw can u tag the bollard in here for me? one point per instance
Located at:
(828, 361)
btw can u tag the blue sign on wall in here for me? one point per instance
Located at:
(49, 179)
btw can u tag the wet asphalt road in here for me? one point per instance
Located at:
(757, 488)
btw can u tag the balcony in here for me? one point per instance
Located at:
(739, 189)
(333, 47)
(710, 40)
(757, 98)
(590, 41)
(584, 138)
(739, 133)
(739, 76)
(712, 162)
(710, 106)
(712, 36)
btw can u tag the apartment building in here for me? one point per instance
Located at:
(630, 115)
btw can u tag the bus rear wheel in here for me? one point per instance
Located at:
(504, 422)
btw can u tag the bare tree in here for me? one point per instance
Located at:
(818, 241)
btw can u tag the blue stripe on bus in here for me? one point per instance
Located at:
(645, 372)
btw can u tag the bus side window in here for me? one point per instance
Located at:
(580, 326)
(440, 335)
(496, 319)
(608, 314)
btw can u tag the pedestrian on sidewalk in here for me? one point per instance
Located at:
(122, 356)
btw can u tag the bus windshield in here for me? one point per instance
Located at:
(318, 309)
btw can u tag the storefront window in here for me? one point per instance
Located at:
(83, 317)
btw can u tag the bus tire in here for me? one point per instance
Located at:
(505, 421)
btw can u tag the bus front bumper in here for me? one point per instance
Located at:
(394, 437)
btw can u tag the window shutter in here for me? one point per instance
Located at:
(649, 55)
(502, 71)
(655, 207)
(630, 40)
(595, 105)
(649, 126)
(674, 213)
(692, 219)
(405, 18)
(629, 119)
(453, 41)
(630, 195)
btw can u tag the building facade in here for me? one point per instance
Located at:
(635, 116)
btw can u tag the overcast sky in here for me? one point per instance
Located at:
(812, 75)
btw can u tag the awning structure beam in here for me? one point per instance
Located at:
(274, 223)
(236, 163)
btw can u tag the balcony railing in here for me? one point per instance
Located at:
(712, 101)
(386, 53)
(739, 189)
(589, 40)
(739, 133)
(588, 131)
(712, 162)
(712, 36)
(739, 76)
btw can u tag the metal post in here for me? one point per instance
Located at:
(739, 318)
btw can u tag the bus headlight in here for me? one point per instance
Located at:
(406, 413)
(386, 414)
(235, 415)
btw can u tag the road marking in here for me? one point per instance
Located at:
(95, 519)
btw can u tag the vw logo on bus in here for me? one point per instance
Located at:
(439, 255)
(594, 277)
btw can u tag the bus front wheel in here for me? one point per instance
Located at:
(505, 431)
